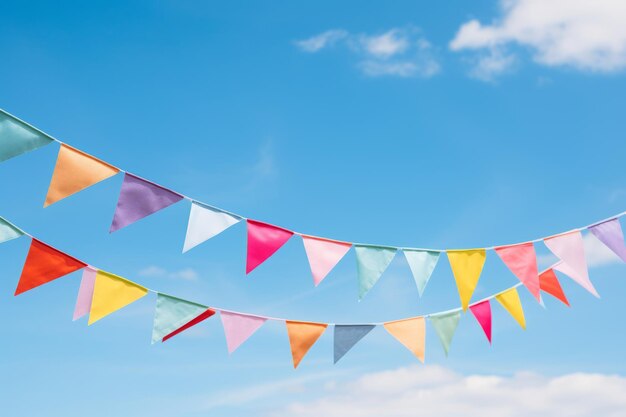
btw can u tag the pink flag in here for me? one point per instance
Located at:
(85, 293)
(522, 261)
(482, 312)
(239, 327)
(323, 255)
(263, 240)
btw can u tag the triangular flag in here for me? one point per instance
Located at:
(111, 293)
(511, 302)
(422, 264)
(206, 222)
(239, 327)
(371, 263)
(302, 335)
(323, 255)
(44, 264)
(8, 231)
(140, 198)
(17, 137)
(74, 171)
(482, 312)
(550, 284)
(466, 268)
(85, 293)
(171, 313)
(569, 248)
(263, 241)
(411, 333)
(203, 316)
(346, 336)
(522, 261)
(445, 325)
(610, 233)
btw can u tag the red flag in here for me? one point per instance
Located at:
(549, 283)
(208, 313)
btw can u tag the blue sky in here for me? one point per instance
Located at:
(406, 123)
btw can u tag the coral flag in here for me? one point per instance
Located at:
(206, 222)
(610, 233)
(511, 302)
(422, 264)
(239, 327)
(111, 293)
(445, 325)
(302, 335)
(85, 293)
(411, 333)
(323, 255)
(348, 335)
(8, 231)
(371, 263)
(466, 267)
(482, 312)
(549, 283)
(522, 261)
(18, 137)
(171, 313)
(203, 316)
(74, 171)
(263, 241)
(140, 198)
(44, 264)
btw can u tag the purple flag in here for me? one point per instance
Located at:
(140, 198)
(610, 233)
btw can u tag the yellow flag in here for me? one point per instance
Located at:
(466, 268)
(111, 293)
(411, 333)
(511, 302)
(302, 335)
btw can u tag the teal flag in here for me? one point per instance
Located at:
(371, 262)
(8, 231)
(445, 326)
(172, 313)
(16, 137)
(422, 264)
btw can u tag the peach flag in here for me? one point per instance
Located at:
(522, 261)
(323, 255)
(302, 335)
(411, 333)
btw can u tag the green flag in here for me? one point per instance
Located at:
(371, 262)
(8, 231)
(171, 313)
(445, 325)
(17, 137)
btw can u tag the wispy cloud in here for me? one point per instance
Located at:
(153, 271)
(324, 39)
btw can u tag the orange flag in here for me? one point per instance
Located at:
(302, 335)
(411, 333)
(75, 171)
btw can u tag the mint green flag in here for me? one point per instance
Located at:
(171, 313)
(422, 264)
(17, 137)
(8, 231)
(445, 325)
(371, 262)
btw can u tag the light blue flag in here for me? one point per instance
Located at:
(171, 313)
(422, 264)
(16, 137)
(8, 231)
(445, 326)
(371, 262)
(347, 335)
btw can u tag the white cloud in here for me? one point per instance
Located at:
(324, 39)
(186, 274)
(492, 64)
(386, 45)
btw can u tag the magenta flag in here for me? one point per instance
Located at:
(482, 312)
(239, 327)
(610, 233)
(522, 261)
(85, 293)
(263, 241)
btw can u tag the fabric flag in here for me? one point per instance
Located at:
(203, 316)
(8, 231)
(482, 312)
(371, 263)
(422, 264)
(511, 302)
(206, 222)
(549, 283)
(17, 137)
(522, 261)
(263, 241)
(74, 171)
(323, 255)
(411, 333)
(140, 198)
(466, 267)
(610, 233)
(346, 336)
(171, 313)
(569, 248)
(445, 325)
(85, 293)
(239, 327)
(111, 293)
(44, 264)
(302, 335)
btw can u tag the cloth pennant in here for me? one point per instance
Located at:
(44, 264)
(511, 303)
(550, 283)
(8, 230)
(17, 137)
(371, 263)
(85, 293)
(171, 313)
(239, 327)
(445, 325)
(206, 222)
(111, 293)
(140, 198)
(411, 333)
(323, 255)
(522, 261)
(346, 336)
(422, 264)
(203, 316)
(467, 266)
(482, 312)
(263, 241)
(570, 250)
(610, 233)
(302, 335)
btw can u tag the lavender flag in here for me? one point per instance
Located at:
(610, 233)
